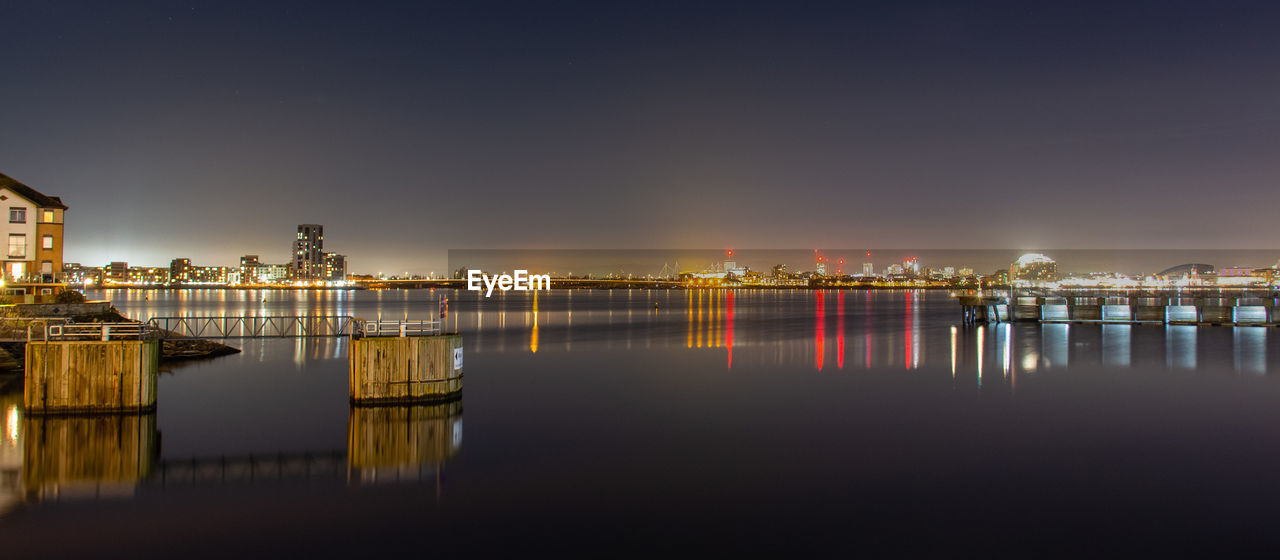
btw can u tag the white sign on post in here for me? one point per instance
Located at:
(457, 358)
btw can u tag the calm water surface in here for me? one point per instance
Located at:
(789, 421)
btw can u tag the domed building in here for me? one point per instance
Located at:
(1191, 270)
(1033, 268)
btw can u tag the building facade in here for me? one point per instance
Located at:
(34, 233)
(335, 267)
(308, 253)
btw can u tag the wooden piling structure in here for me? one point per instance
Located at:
(406, 369)
(90, 376)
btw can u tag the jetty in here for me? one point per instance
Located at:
(1176, 309)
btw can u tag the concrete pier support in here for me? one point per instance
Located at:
(402, 369)
(90, 376)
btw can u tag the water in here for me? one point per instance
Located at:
(787, 421)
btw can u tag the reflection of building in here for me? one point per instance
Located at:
(388, 443)
(1033, 267)
(10, 450)
(87, 456)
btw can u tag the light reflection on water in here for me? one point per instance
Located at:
(892, 329)
(583, 385)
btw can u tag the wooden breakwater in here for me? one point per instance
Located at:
(90, 376)
(1209, 311)
(403, 369)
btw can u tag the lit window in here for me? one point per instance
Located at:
(17, 245)
(47, 242)
(48, 217)
(17, 215)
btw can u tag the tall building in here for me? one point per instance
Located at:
(249, 269)
(308, 252)
(868, 269)
(911, 265)
(34, 233)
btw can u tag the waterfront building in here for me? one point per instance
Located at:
(209, 275)
(248, 269)
(254, 271)
(34, 257)
(868, 269)
(1186, 271)
(148, 275)
(335, 267)
(77, 274)
(308, 253)
(273, 273)
(1033, 268)
(180, 271)
(117, 271)
(1236, 271)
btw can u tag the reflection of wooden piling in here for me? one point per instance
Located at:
(65, 453)
(400, 436)
(406, 368)
(80, 376)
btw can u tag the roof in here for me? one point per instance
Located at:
(1030, 258)
(39, 198)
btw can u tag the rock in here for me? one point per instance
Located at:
(175, 350)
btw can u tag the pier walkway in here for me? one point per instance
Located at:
(1208, 311)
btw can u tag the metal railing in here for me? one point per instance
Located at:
(254, 327)
(42, 331)
(398, 328)
(287, 327)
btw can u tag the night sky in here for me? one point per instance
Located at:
(211, 129)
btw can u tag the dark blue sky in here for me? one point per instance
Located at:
(210, 130)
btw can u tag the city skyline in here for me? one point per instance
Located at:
(417, 129)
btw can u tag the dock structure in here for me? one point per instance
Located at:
(90, 368)
(79, 368)
(405, 362)
(1125, 310)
